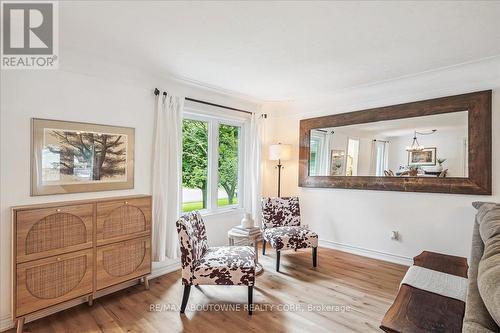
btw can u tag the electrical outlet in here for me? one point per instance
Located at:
(395, 235)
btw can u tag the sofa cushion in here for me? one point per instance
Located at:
(477, 319)
(488, 277)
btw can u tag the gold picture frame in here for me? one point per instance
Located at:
(337, 162)
(424, 157)
(72, 157)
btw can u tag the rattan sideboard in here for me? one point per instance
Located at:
(71, 250)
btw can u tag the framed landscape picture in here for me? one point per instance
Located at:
(427, 156)
(69, 157)
(337, 161)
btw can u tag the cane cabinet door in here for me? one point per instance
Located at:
(123, 219)
(46, 282)
(52, 231)
(123, 261)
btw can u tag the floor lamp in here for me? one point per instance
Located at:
(279, 152)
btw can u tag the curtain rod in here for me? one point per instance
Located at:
(157, 92)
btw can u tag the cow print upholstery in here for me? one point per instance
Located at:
(202, 265)
(285, 238)
(281, 224)
(280, 212)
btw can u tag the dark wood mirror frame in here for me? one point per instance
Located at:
(478, 105)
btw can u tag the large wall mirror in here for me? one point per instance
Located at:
(439, 145)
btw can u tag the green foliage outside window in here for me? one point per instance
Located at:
(195, 156)
(195, 162)
(228, 161)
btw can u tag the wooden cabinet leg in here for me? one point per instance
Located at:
(90, 300)
(146, 283)
(20, 325)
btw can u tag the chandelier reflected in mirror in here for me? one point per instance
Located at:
(415, 146)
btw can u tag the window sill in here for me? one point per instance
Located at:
(223, 211)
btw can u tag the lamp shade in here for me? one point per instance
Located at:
(280, 152)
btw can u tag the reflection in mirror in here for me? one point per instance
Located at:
(428, 146)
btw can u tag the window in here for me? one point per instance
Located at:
(227, 193)
(194, 165)
(313, 164)
(211, 163)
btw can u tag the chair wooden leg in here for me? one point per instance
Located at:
(250, 300)
(185, 297)
(315, 256)
(278, 253)
(264, 247)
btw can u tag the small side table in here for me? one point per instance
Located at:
(235, 237)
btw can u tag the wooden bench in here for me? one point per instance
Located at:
(415, 310)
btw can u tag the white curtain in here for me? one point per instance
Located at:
(379, 157)
(373, 159)
(253, 168)
(166, 175)
(386, 155)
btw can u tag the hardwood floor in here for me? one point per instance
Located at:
(362, 288)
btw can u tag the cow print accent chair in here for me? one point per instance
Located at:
(282, 229)
(204, 265)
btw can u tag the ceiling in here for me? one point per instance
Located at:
(283, 50)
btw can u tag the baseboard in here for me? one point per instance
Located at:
(402, 260)
(6, 322)
(160, 269)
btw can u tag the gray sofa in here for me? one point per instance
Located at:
(482, 308)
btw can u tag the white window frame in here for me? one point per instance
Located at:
(214, 118)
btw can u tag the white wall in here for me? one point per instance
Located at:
(361, 221)
(449, 144)
(88, 90)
